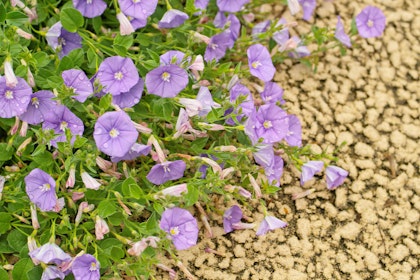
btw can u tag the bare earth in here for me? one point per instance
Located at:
(369, 227)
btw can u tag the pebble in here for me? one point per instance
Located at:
(363, 150)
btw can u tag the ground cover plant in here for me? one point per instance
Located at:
(119, 118)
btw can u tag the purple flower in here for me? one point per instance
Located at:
(282, 35)
(231, 216)
(264, 155)
(62, 40)
(216, 49)
(115, 133)
(270, 223)
(240, 91)
(260, 64)
(172, 18)
(206, 100)
(230, 6)
(335, 176)
(79, 82)
(135, 151)
(138, 22)
(52, 272)
(308, 7)
(131, 97)
(272, 93)
(59, 119)
(370, 22)
(260, 27)
(41, 103)
(172, 57)
(166, 171)
(14, 100)
(201, 4)
(300, 50)
(90, 8)
(40, 188)
(126, 28)
(269, 123)
(309, 169)
(233, 23)
(86, 267)
(50, 253)
(181, 227)
(138, 9)
(166, 80)
(340, 34)
(117, 74)
(274, 171)
(294, 132)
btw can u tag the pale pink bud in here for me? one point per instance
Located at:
(241, 225)
(202, 37)
(211, 127)
(203, 218)
(72, 178)
(11, 80)
(302, 194)
(214, 165)
(141, 128)
(294, 6)
(226, 172)
(245, 193)
(160, 154)
(185, 270)
(101, 228)
(32, 246)
(176, 190)
(2, 181)
(18, 3)
(59, 205)
(30, 78)
(125, 26)
(89, 181)
(34, 217)
(198, 63)
(24, 34)
(212, 251)
(84, 207)
(192, 106)
(172, 273)
(23, 129)
(103, 164)
(153, 240)
(249, 17)
(15, 127)
(233, 81)
(75, 196)
(255, 185)
(289, 45)
(229, 148)
(23, 146)
(137, 248)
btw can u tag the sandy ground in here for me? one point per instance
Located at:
(369, 227)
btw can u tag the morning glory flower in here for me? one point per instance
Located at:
(272, 93)
(270, 123)
(172, 18)
(172, 57)
(50, 253)
(264, 155)
(117, 74)
(239, 90)
(260, 27)
(166, 171)
(340, 34)
(206, 100)
(201, 4)
(231, 6)
(41, 103)
(309, 169)
(300, 50)
(260, 63)
(231, 216)
(79, 82)
(52, 272)
(308, 7)
(233, 23)
(138, 9)
(274, 171)
(131, 97)
(62, 40)
(115, 133)
(216, 48)
(335, 176)
(59, 119)
(282, 35)
(294, 132)
(270, 223)
(86, 267)
(166, 80)
(370, 22)
(40, 187)
(135, 151)
(14, 100)
(180, 226)
(90, 8)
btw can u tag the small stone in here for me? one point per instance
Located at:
(398, 139)
(399, 252)
(364, 150)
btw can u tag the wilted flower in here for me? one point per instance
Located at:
(166, 80)
(79, 82)
(14, 100)
(309, 169)
(101, 228)
(62, 40)
(89, 181)
(231, 216)
(50, 253)
(300, 50)
(172, 18)
(192, 106)
(40, 187)
(335, 176)
(231, 6)
(340, 34)
(166, 171)
(90, 8)
(206, 100)
(114, 133)
(370, 22)
(181, 227)
(138, 247)
(294, 6)
(130, 98)
(117, 74)
(176, 190)
(294, 131)
(260, 63)
(308, 7)
(125, 25)
(270, 223)
(59, 119)
(86, 267)
(135, 151)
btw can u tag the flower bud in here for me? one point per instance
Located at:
(72, 177)
(89, 181)
(101, 228)
(125, 25)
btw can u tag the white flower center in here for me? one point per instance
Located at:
(45, 187)
(214, 46)
(174, 231)
(268, 124)
(114, 133)
(93, 266)
(8, 94)
(370, 23)
(61, 41)
(63, 125)
(35, 101)
(118, 76)
(166, 76)
(256, 64)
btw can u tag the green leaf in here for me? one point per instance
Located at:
(65, 64)
(80, 142)
(17, 240)
(124, 41)
(3, 274)
(6, 153)
(2, 18)
(192, 196)
(131, 189)
(106, 208)
(21, 269)
(42, 59)
(120, 50)
(117, 253)
(71, 19)
(5, 220)
(35, 273)
(16, 18)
